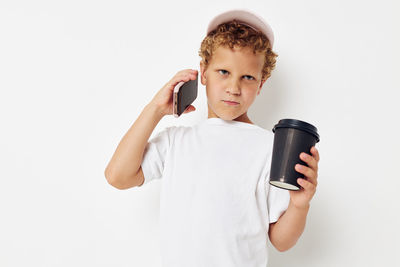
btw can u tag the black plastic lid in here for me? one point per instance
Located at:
(298, 124)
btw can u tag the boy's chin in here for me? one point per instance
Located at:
(227, 117)
(219, 113)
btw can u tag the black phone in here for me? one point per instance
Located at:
(184, 95)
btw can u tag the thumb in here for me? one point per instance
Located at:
(190, 108)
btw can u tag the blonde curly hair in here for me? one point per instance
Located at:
(234, 34)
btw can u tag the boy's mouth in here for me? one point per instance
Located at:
(230, 102)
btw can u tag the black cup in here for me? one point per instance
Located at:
(291, 137)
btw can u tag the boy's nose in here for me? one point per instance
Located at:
(233, 89)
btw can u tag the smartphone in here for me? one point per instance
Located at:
(184, 95)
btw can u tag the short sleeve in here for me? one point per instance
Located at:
(278, 201)
(155, 154)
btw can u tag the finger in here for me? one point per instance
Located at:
(186, 77)
(309, 173)
(308, 186)
(179, 78)
(310, 160)
(312, 180)
(315, 153)
(187, 72)
(190, 108)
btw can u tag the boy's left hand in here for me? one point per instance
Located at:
(302, 197)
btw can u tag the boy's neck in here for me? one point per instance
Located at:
(241, 118)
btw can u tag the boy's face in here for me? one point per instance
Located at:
(234, 75)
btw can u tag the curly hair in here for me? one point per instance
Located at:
(234, 34)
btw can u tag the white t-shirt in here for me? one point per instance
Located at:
(216, 203)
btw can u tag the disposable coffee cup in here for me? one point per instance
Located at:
(291, 137)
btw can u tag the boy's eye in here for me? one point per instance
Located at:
(249, 77)
(222, 70)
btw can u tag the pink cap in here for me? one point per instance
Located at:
(245, 17)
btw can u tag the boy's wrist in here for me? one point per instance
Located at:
(154, 110)
(303, 207)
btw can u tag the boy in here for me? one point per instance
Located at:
(216, 205)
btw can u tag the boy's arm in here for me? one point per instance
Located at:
(124, 169)
(286, 231)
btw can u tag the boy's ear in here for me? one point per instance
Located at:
(202, 73)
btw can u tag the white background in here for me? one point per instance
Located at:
(74, 76)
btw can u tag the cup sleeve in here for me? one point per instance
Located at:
(155, 154)
(277, 202)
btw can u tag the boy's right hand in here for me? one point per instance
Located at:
(163, 99)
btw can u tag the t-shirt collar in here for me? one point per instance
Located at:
(219, 121)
